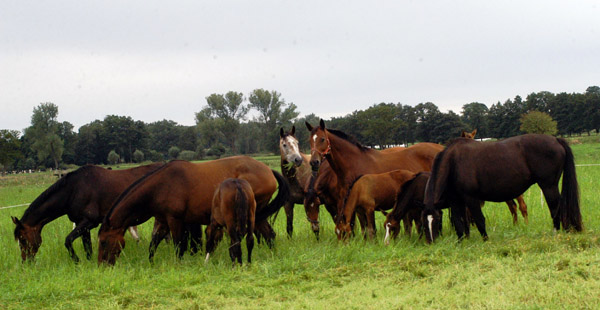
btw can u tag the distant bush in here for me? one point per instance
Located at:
(174, 152)
(138, 156)
(113, 157)
(155, 156)
(217, 150)
(187, 155)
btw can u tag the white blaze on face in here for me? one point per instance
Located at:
(430, 224)
(315, 138)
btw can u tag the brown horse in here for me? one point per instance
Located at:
(233, 207)
(409, 202)
(181, 193)
(85, 196)
(369, 193)
(349, 159)
(512, 206)
(468, 172)
(296, 169)
(321, 189)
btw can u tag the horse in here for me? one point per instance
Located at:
(409, 203)
(233, 206)
(296, 169)
(512, 206)
(469, 171)
(85, 196)
(181, 193)
(368, 193)
(349, 159)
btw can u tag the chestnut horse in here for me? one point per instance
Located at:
(233, 206)
(181, 193)
(349, 159)
(512, 206)
(469, 171)
(296, 169)
(368, 193)
(85, 196)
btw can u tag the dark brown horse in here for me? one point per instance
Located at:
(181, 193)
(349, 159)
(409, 202)
(233, 207)
(512, 206)
(369, 193)
(296, 169)
(468, 172)
(85, 196)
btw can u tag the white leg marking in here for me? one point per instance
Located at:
(430, 221)
(386, 240)
(206, 259)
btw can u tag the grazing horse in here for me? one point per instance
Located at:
(296, 169)
(349, 159)
(409, 202)
(469, 171)
(233, 206)
(369, 193)
(85, 196)
(181, 193)
(512, 206)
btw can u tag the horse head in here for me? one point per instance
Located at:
(29, 238)
(110, 244)
(343, 228)
(288, 147)
(468, 135)
(431, 218)
(319, 144)
(311, 207)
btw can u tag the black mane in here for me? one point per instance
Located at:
(351, 139)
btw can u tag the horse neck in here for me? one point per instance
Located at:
(53, 207)
(345, 156)
(438, 181)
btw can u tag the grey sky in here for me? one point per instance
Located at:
(155, 60)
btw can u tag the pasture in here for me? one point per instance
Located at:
(520, 267)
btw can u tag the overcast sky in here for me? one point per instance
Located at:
(155, 60)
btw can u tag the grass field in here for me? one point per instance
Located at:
(520, 267)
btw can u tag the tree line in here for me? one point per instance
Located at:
(223, 127)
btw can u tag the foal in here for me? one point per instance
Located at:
(233, 207)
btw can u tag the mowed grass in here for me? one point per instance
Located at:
(520, 267)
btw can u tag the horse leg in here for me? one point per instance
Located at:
(457, 216)
(371, 228)
(211, 231)
(523, 208)
(79, 230)
(180, 238)
(289, 214)
(86, 239)
(195, 233)
(477, 216)
(159, 232)
(362, 220)
(250, 239)
(552, 196)
(407, 223)
(134, 233)
(512, 207)
(235, 248)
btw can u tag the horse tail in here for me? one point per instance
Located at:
(240, 210)
(283, 195)
(569, 199)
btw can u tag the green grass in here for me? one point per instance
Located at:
(520, 267)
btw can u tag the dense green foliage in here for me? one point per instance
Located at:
(520, 267)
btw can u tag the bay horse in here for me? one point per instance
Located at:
(469, 171)
(85, 196)
(367, 194)
(512, 206)
(233, 207)
(181, 193)
(349, 159)
(296, 169)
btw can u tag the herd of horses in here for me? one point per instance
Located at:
(407, 184)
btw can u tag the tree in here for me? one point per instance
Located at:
(592, 104)
(9, 148)
(91, 146)
(273, 112)
(220, 119)
(113, 158)
(138, 156)
(44, 133)
(381, 124)
(474, 115)
(174, 152)
(124, 135)
(65, 132)
(538, 122)
(427, 115)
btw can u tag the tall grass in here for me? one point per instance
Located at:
(522, 266)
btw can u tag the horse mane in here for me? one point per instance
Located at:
(349, 138)
(58, 185)
(132, 186)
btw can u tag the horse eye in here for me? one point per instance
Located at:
(285, 145)
(322, 139)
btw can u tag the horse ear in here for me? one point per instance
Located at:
(293, 132)
(308, 126)
(474, 132)
(463, 134)
(322, 124)
(16, 221)
(281, 132)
